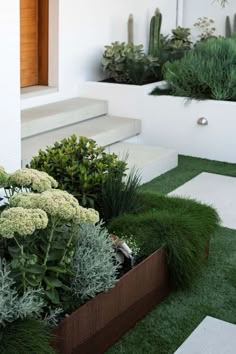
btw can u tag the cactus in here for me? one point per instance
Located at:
(155, 34)
(234, 26)
(131, 29)
(228, 30)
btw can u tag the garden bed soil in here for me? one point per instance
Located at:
(102, 321)
(147, 82)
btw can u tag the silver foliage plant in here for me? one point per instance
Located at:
(94, 263)
(13, 306)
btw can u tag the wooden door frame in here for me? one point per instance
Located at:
(43, 42)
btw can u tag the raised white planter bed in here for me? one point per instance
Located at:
(172, 121)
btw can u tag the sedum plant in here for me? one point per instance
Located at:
(127, 63)
(39, 232)
(80, 166)
(206, 72)
(180, 38)
(94, 266)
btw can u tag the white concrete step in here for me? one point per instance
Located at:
(152, 161)
(56, 115)
(105, 130)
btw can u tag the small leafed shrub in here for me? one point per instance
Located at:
(182, 226)
(206, 72)
(94, 266)
(80, 167)
(127, 63)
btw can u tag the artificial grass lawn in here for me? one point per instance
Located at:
(212, 294)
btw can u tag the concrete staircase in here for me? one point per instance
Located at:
(43, 126)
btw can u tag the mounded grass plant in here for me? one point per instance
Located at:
(26, 337)
(182, 226)
(206, 72)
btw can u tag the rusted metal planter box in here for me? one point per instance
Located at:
(102, 321)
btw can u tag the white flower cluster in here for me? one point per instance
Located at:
(3, 177)
(23, 222)
(38, 181)
(58, 204)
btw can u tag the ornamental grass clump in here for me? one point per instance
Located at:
(206, 72)
(180, 225)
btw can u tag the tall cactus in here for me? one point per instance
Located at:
(234, 25)
(228, 30)
(155, 34)
(131, 29)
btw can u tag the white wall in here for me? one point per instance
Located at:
(9, 85)
(192, 9)
(85, 27)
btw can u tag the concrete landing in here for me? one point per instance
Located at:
(216, 190)
(212, 336)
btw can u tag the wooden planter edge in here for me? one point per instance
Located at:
(102, 321)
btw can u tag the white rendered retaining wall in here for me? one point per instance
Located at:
(172, 121)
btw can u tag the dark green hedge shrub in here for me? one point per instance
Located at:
(80, 167)
(182, 226)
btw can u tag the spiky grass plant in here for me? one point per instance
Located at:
(206, 72)
(182, 226)
(119, 194)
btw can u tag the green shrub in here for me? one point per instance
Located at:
(206, 72)
(94, 266)
(26, 337)
(182, 226)
(119, 194)
(127, 63)
(79, 166)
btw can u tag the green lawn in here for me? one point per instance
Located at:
(213, 293)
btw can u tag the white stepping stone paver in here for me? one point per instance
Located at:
(216, 190)
(212, 336)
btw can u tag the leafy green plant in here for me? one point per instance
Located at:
(119, 194)
(181, 226)
(39, 231)
(80, 166)
(26, 337)
(127, 63)
(94, 266)
(206, 72)
(180, 38)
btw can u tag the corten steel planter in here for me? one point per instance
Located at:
(102, 321)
